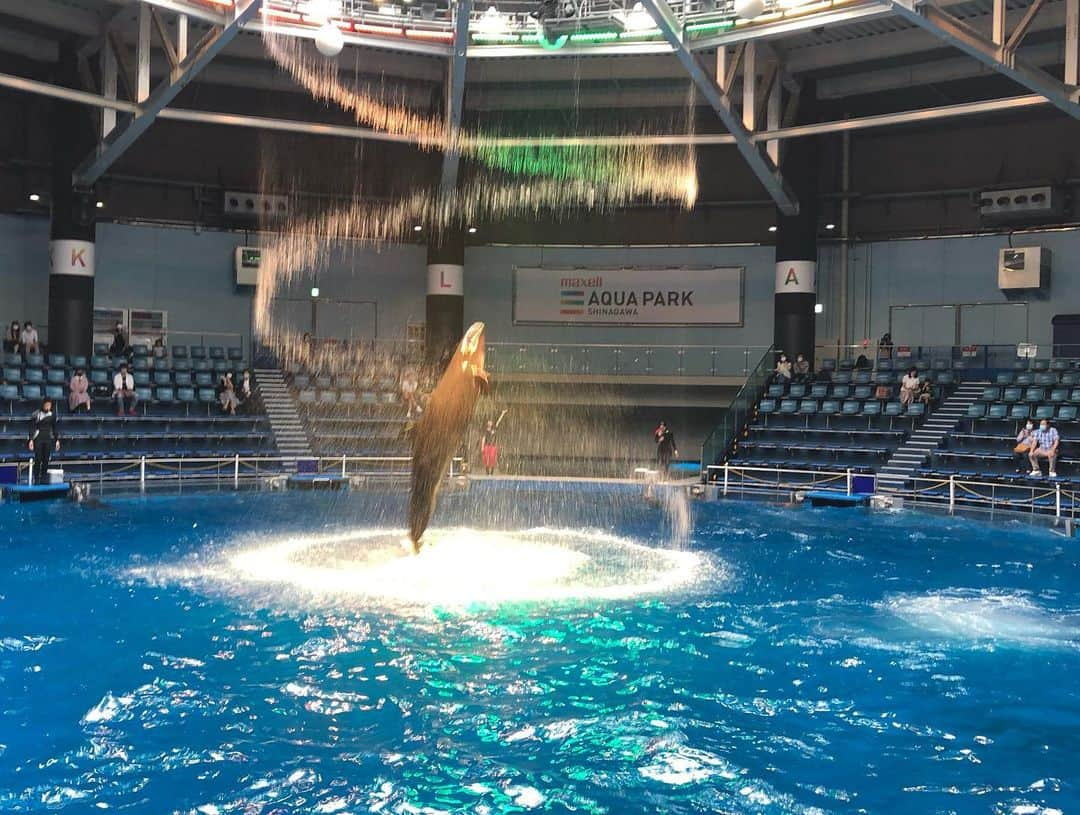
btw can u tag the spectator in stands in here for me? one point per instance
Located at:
(120, 346)
(29, 339)
(1046, 446)
(79, 391)
(44, 439)
(159, 348)
(13, 341)
(783, 370)
(862, 363)
(1025, 440)
(925, 393)
(227, 394)
(908, 386)
(410, 384)
(802, 369)
(245, 390)
(665, 448)
(885, 346)
(124, 391)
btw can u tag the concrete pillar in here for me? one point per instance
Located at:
(445, 309)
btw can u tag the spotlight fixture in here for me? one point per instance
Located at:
(472, 230)
(35, 197)
(314, 291)
(101, 205)
(417, 228)
(748, 9)
(491, 21)
(329, 40)
(819, 308)
(638, 19)
(830, 227)
(772, 228)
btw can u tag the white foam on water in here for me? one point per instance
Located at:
(456, 567)
(986, 617)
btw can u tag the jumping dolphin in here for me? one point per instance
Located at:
(439, 432)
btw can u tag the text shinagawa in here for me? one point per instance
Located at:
(624, 302)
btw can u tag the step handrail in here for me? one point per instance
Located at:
(737, 413)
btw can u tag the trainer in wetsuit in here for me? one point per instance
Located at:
(489, 445)
(44, 438)
(665, 448)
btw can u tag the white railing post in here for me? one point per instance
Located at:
(142, 472)
(30, 473)
(952, 492)
(725, 478)
(342, 466)
(1057, 500)
(849, 481)
(236, 472)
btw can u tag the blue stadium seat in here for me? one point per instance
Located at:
(78, 361)
(307, 397)
(140, 350)
(945, 378)
(819, 390)
(846, 365)
(1040, 365)
(56, 376)
(1067, 413)
(1058, 395)
(893, 409)
(348, 397)
(179, 352)
(871, 408)
(322, 382)
(850, 408)
(997, 411)
(162, 378)
(808, 407)
(236, 354)
(862, 378)
(204, 379)
(35, 376)
(883, 378)
(182, 365)
(767, 406)
(186, 395)
(32, 392)
(1020, 364)
(1034, 395)
(198, 352)
(116, 362)
(841, 391)
(1070, 378)
(842, 378)
(13, 360)
(1046, 379)
(774, 391)
(160, 364)
(990, 394)
(1044, 412)
(144, 393)
(369, 398)
(221, 366)
(207, 396)
(1020, 411)
(941, 364)
(1004, 378)
(1025, 380)
(976, 410)
(885, 365)
(99, 361)
(57, 360)
(101, 347)
(829, 407)
(1074, 396)
(916, 409)
(328, 397)
(303, 382)
(12, 375)
(182, 378)
(165, 394)
(922, 365)
(100, 377)
(202, 365)
(1011, 394)
(142, 379)
(343, 381)
(35, 360)
(141, 364)
(9, 393)
(863, 391)
(1059, 365)
(788, 406)
(828, 364)
(54, 392)
(217, 352)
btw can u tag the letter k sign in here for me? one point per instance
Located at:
(78, 258)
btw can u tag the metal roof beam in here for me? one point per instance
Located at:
(110, 149)
(957, 33)
(760, 164)
(455, 94)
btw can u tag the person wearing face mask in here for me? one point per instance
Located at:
(1025, 440)
(245, 390)
(1045, 446)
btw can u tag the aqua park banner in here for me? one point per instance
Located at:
(629, 296)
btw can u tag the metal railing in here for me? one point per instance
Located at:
(737, 414)
(224, 339)
(623, 360)
(979, 358)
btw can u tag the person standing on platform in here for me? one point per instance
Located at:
(666, 448)
(489, 445)
(44, 439)
(120, 346)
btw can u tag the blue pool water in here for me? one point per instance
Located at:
(272, 653)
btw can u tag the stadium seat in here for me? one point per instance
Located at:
(9, 393)
(1070, 378)
(808, 407)
(207, 396)
(871, 408)
(885, 365)
(57, 360)
(1067, 413)
(162, 378)
(841, 391)
(12, 375)
(142, 378)
(916, 409)
(945, 378)
(1059, 365)
(1034, 395)
(1020, 411)
(842, 378)
(343, 381)
(348, 397)
(846, 365)
(819, 390)
(182, 378)
(217, 352)
(863, 391)
(179, 352)
(1075, 395)
(101, 348)
(56, 376)
(301, 382)
(54, 392)
(99, 361)
(204, 379)
(883, 378)
(767, 406)
(828, 364)
(850, 408)
(141, 364)
(144, 393)
(221, 366)
(893, 409)
(990, 394)
(1046, 379)
(369, 398)
(100, 377)
(198, 352)
(997, 411)
(1025, 380)
(307, 397)
(1040, 365)
(1020, 364)
(976, 410)
(1058, 395)
(182, 365)
(35, 360)
(1004, 378)
(32, 393)
(78, 361)
(140, 350)
(788, 406)
(328, 397)
(236, 354)
(862, 378)
(186, 395)
(940, 365)
(13, 360)
(323, 382)
(160, 364)
(829, 407)
(1044, 412)
(35, 376)
(1011, 394)
(165, 394)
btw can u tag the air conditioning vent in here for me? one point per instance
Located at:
(250, 206)
(1022, 205)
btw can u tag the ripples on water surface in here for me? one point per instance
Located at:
(274, 653)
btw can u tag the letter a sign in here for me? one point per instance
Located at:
(796, 277)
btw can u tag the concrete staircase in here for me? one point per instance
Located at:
(912, 453)
(289, 434)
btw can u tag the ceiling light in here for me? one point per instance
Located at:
(329, 40)
(417, 228)
(748, 9)
(830, 226)
(638, 19)
(101, 205)
(35, 197)
(772, 228)
(472, 230)
(314, 291)
(819, 308)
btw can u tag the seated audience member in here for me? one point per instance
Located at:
(885, 346)
(245, 390)
(783, 370)
(802, 369)
(1046, 444)
(908, 386)
(925, 393)
(120, 346)
(229, 400)
(410, 385)
(13, 341)
(124, 391)
(79, 391)
(159, 348)
(29, 339)
(1025, 440)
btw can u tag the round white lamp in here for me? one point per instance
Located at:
(748, 9)
(329, 40)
